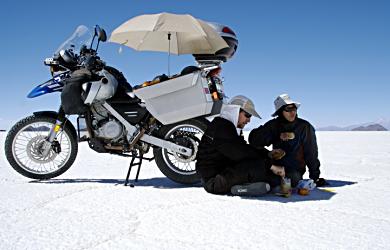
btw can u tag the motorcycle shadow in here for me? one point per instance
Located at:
(158, 182)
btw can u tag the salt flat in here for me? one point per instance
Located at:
(89, 208)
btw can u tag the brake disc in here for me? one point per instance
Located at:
(34, 150)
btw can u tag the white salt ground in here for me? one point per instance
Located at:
(89, 208)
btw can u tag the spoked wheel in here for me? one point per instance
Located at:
(29, 152)
(175, 166)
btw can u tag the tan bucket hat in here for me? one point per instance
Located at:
(245, 103)
(282, 100)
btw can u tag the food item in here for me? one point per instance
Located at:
(303, 191)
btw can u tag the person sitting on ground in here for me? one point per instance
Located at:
(293, 135)
(226, 163)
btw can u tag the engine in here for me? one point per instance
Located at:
(110, 129)
(105, 126)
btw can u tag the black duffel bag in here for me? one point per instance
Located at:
(71, 99)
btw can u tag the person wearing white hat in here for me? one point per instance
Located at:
(226, 163)
(295, 136)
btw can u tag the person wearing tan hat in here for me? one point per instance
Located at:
(295, 136)
(226, 163)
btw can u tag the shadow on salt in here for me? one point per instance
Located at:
(318, 194)
(158, 182)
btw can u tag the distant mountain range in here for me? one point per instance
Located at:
(380, 125)
(372, 127)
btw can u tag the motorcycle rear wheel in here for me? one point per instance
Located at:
(177, 167)
(23, 148)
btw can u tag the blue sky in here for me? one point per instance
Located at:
(332, 56)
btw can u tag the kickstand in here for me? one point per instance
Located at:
(132, 164)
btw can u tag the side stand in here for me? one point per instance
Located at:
(133, 164)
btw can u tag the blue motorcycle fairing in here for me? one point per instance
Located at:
(53, 85)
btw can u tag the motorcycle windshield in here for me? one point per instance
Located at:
(81, 36)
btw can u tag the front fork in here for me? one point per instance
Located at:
(51, 138)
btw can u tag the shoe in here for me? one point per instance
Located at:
(321, 182)
(251, 189)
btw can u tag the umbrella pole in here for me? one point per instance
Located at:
(169, 54)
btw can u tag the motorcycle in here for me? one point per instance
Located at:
(167, 114)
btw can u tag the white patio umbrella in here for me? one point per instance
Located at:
(177, 34)
(172, 33)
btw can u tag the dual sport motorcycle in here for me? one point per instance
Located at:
(167, 114)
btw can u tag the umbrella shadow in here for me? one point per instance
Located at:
(322, 193)
(158, 182)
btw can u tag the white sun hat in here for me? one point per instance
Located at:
(245, 103)
(282, 100)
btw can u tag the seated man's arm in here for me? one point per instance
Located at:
(261, 136)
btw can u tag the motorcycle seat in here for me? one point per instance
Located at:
(188, 70)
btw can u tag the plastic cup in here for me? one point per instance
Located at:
(285, 186)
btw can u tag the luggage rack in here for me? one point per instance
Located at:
(204, 63)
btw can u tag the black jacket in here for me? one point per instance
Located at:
(221, 147)
(300, 151)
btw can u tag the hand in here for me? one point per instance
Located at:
(278, 170)
(320, 182)
(276, 154)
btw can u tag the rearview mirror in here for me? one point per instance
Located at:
(100, 33)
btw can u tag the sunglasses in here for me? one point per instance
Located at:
(246, 114)
(290, 108)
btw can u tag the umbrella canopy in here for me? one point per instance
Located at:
(177, 34)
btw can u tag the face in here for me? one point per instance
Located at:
(243, 119)
(290, 112)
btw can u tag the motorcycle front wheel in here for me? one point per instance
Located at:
(175, 166)
(24, 147)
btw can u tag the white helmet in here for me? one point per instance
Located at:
(282, 100)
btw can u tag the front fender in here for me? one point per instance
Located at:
(51, 114)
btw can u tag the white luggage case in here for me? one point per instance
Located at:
(178, 99)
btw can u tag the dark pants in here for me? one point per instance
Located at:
(248, 171)
(295, 176)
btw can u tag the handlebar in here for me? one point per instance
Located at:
(68, 60)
